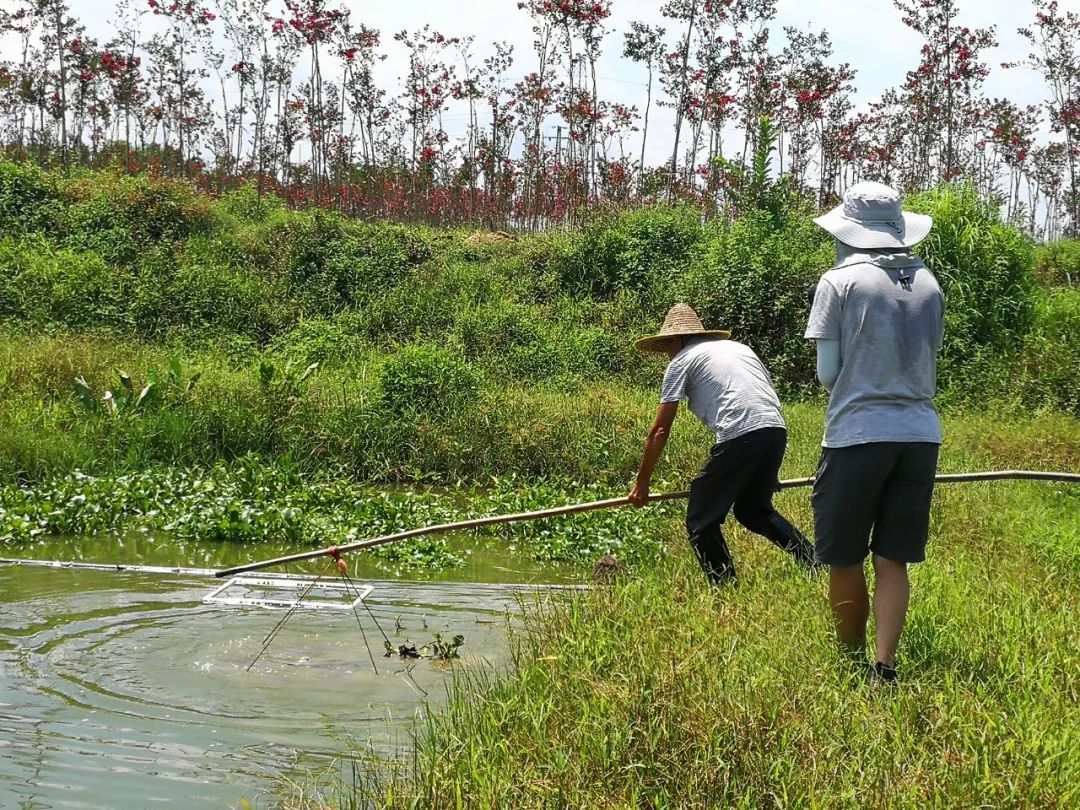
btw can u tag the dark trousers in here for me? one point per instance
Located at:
(740, 473)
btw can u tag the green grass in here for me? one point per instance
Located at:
(660, 691)
(336, 419)
(152, 258)
(655, 691)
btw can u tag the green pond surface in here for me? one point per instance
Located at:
(126, 690)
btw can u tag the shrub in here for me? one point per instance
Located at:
(245, 204)
(985, 269)
(327, 341)
(42, 284)
(217, 298)
(26, 197)
(328, 262)
(371, 258)
(497, 328)
(1058, 263)
(635, 249)
(1052, 351)
(553, 257)
(118, 217)
(428, 300)
(426, 379)
(753, 280)
(594, 353)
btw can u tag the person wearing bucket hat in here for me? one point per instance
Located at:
(728, 389)
(877, 318)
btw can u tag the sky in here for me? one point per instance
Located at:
(868, 34)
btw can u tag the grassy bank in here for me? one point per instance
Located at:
(659, 691)
(243, 281)
(430, 427)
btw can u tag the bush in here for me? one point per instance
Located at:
(371, 258)
(1058, 263)
(1052, 351)
(119, 217)
(636, 249)
(553, 258)
(753, 280)
(245, 204)
(426, 379)
(426, 303)
(497, 328)
(985, 269)
(329, 263)
(205, 296)
(43, 285)
(327, 341)
(26, 197)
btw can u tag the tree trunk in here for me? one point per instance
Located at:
(645, 130)
(59, 15)
(682, 99)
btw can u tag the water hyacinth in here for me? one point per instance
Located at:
(252, 501)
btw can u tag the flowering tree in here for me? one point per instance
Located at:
(495, 144)
(943, 90)
(313, 24)
(178, 73)
(1055, 39)
(123, 66)
(16, 78)
(817, 103)
(359, 54)
(540, 146)
(57, 29)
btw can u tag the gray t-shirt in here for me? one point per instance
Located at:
(725, 386)
(887, 311)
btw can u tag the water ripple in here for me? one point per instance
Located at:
(121, 690)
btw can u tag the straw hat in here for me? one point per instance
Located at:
(870, 218)
(680, 321)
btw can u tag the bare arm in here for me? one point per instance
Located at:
(654, 446)
(828, 362)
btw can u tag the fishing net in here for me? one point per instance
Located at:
(292, 592)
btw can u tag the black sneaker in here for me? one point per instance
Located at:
(883, 672)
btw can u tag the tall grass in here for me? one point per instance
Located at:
(353, 418)
(660, 691)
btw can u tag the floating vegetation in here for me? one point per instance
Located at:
(251, 501)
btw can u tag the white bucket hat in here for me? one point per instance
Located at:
(870, 218)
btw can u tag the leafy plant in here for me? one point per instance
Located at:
(753, 279)
(441, 650)
(426, 379)
(985, 269)
(751, 188)
(121, 402)
(636, 249)
(128, 399)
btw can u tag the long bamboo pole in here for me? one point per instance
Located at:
(573, 509)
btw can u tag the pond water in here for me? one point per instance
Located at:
(125, 690)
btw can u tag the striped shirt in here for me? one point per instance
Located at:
(725, 386)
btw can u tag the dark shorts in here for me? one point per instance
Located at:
(873, 498)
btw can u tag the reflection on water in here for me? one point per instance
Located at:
(125, 690)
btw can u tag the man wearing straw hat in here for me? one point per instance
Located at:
(728, 389)
(877, 318)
